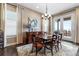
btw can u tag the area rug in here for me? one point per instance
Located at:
(26, 51)
(69, 50)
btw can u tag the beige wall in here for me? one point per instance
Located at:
(0, 15)
(24, 13)
(77, 24)
(29, 13)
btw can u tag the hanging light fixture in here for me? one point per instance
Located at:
(46, 13)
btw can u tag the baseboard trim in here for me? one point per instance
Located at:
(77, 43)
(11, 44)
(71, 42)
(20, 44)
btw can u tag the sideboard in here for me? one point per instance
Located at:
(27, 36)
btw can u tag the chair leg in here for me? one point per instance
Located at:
(44, 50)
(60, 45)
(56, 48)
(36, 50)
(52, 50)
(32, 49)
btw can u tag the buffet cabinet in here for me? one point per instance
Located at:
(28, 37)
(1, 39)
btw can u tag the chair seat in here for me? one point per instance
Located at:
(39, 45)
(59, 41)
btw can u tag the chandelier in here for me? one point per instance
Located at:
(46, 15)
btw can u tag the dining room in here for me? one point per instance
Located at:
(39, 29)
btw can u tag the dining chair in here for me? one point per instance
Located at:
(52, 43)
(55, 42)
(60, 39)
(37, 44)
(47, 45)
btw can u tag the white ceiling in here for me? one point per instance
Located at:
(53, 8)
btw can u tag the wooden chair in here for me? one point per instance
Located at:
(60, 39)
(37, 44)
(55, 42)
(51, 43)
(47, 43)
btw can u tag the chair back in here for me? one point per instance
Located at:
(54, 36)
(36, 39)
(60, 36)
(33, 38)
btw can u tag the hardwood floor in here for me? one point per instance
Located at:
(12, 51)
(9, 51)
(77, 52)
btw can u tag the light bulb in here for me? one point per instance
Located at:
(45, 14)
(49, 15)
(42, 15)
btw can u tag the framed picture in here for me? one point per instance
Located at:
(33, 24)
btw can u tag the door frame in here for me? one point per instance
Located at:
(61, 17)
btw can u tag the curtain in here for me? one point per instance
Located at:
(77, 25)
(19, 25)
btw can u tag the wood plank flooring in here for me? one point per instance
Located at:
(12, 51)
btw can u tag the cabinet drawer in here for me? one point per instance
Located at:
(1, 46)
(1, 43)
(1, 39)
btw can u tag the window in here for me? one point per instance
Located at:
(57, 25)
(67, 26)
(10, 22)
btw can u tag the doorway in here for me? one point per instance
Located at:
(64, 25)
(67, 23)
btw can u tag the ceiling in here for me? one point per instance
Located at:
(53, 8)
